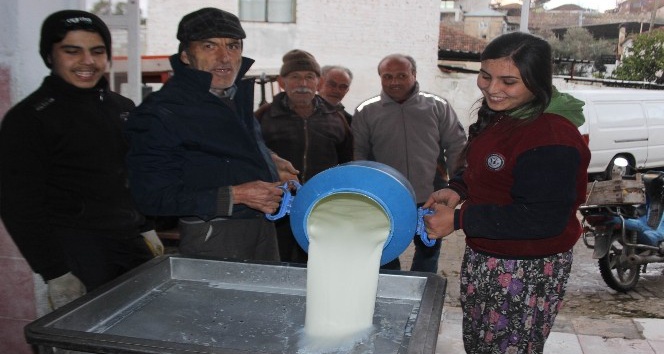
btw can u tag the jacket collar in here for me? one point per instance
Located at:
(61, 88)
(385, 99)
(202, 79)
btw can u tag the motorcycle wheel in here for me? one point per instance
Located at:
(616, 272)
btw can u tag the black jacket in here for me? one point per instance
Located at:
(62, 165)
(311, 144)
(188, 146)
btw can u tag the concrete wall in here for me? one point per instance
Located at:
(353, 33)
(20, 62)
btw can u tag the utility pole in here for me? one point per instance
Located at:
(131, 22)
(653, 14)
(525, 13)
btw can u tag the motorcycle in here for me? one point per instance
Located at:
(624, 226)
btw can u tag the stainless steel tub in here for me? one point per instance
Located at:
(174, 304)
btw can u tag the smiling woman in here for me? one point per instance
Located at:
(519, 237)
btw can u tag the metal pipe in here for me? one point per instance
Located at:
(525, 12)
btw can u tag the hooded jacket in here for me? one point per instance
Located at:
(188, 147)
(523, 184)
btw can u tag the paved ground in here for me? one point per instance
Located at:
(594, 320)
(587, 294)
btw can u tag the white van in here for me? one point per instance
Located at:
(625, 123)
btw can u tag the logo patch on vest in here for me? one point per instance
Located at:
(495, 162)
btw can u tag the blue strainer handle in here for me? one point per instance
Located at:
(422, 229)
(286, 200)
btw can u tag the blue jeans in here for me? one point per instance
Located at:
(424, 260)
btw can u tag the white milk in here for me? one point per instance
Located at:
(346, 235)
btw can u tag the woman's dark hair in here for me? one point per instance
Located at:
(532, 56)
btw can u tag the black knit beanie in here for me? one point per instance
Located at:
(55, 28)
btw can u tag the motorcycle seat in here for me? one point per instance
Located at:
(650, 227)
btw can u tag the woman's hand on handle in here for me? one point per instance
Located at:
(445, 196)
(441, 222)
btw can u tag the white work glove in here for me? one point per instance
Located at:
(64, 289)
(153, 242)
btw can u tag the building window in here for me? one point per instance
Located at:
(483, 29)
(447, 5)
(268, 10)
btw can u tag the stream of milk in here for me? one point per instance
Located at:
(346, 232)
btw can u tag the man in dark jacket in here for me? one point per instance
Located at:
(196, 149)
(304, 129)
(64, 196)
(334, 84)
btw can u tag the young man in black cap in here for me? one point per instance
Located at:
(196, 149)
(64, 196)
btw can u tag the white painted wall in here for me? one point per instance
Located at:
(353, 33)
(20, 25)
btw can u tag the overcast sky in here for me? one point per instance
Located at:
(599, 5)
